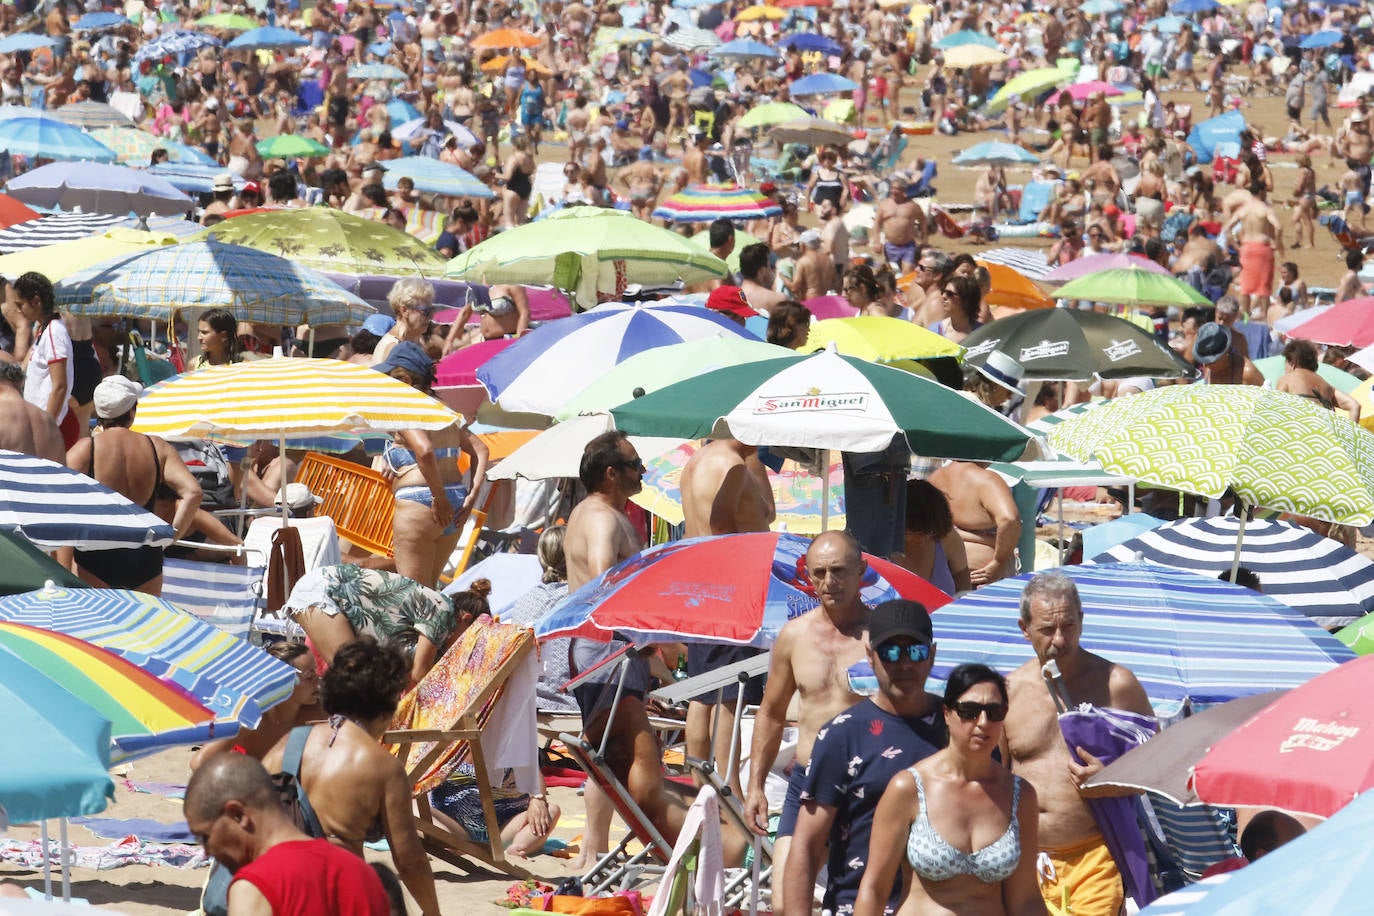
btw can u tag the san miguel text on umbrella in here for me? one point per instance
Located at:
(812, 400)
(1121, 349)
(1046, 349)
(1318, 736)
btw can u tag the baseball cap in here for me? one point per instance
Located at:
(378, 324)
(409, 356)
(900, 618)
(729, 299)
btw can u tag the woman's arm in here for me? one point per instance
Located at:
(887, 844)
(957, 557)
(409, 857)
(1021, 892)
(457, 329)
(522, 311)
(477, 451)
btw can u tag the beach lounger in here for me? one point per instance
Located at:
(476, 705)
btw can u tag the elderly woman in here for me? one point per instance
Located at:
(958, 825)
(412, 301)
(432, 500)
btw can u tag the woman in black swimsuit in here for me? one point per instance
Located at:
(827, 182)
(515, 199)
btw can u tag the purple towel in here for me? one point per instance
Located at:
(146, 829)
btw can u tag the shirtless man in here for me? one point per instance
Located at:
(1199, 251)
(1355, 144)
(985, 516)
(1052, 621)
(1222, 362)
(810, 658)
(1255, 230)
(899, 228)
(756, 278)
(1103, 177)
(694, 158)
(929, 300)
(27, 428)
(814, 274)
(1301, 378)
(643, 181)
(725, 490)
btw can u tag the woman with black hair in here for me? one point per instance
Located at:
(50, 379)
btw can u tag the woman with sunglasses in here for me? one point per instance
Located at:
(412, 301)
(959, 826)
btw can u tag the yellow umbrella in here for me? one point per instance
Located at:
(61, 260)
(755, 13)
(879, 339)
(966, 56)
(1032, 16)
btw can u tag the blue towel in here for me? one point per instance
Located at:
(146, 829)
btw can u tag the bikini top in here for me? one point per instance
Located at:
(934, 859)
(399, 458)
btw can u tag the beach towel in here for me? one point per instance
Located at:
(1035, 197)
(144, 829)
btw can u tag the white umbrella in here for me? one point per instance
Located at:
(557, 451)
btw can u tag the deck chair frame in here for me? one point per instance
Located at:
(440, 841)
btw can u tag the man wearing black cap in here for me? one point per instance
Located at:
(858, 753)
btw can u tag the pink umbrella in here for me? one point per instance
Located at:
(831, 307)
(1081, 91)
(545, 305)
(1106, 261)
(459, 369)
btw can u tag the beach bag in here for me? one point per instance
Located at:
(207, 464)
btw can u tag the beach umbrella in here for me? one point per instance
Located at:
(821, 84)
(1072, 345)
(705, 203)
(1270, 448)
(557, 451)
(1100, 7)
(435, 177)
(498, 64)
(967, 37)
(1359, 636)
(1308, 752)
(134, 146)
(96, 189)
(92, 114)
(879, 339)
(1189, 7)
(400, 111)
(795, 4)
(99, 20)
(25, 41)
(288, 146)
(1345, 324)
(659, 367)
(1322, 578)
(1273, 367)
(556, 361)
(1030, 83)
(760, 11)
(587, 251)
(267, 37)
(254, 285)
(995, 152)
(62, 259)
(811, 131)
(828, 401)
(13, 211)
(771, 113)
(1082, 91)
(691, 38)
(227, 22)
(238, 682)
(1188, 638)
(384, 72)
(321, 238)
(1027, 262)
(746, 48)
(175, 44)
(49, 138)
(1012, 289)
(1094, 263)
(504, 39)
(23, 567)
(735, 588)
(615, 37)
(1170, 25)
(414, 128)
(1132, 286)
(49, 230)
(810, 41)
(192, 177)
(966, 56)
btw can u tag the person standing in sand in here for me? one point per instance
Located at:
(1255, 229)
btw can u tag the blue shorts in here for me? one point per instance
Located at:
(791, 805)
(900, 254)
(456, 493)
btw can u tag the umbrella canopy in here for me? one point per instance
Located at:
(174, 44)
(286, 397)
(1082, 91)
(13, 211)
(267, 36)
(505, 39)
(321, 238)
(193, 178)
(1100, 7)
(1013, 289)
(1073, 345)
(758, 12)
(289, 146)
(49, 138)
(60, 227)
(97, 189)
(691, 38)
(235, 680)
(771, 113)
(879, 339)
(1171, 24)
(810, 41)
(1273, 368)
(435, 177)
(705, 203)
(146, 714)
(821, 84)
(1188, 7)
(966, 56)
(25, 41)
(734, 588)
(23, 567)
(1027, 262)
(745, 48)
(1187, 638)
(742, 241)
(1132, 286)
(554, 362)
(53, 506)
(966, 37)
(459, 368)
(254, 285)
(1273, 449)
(1345, 324)
(1321, 39)
(93, 114)
(385, 72)
(587, 250)
(1322, 578)
(995, 152)
(1030, 83)
(410, 129)
(557, 451)
(135, 147)
(811, 132)
(99, 20)
(825, 400)
(227, 22)
(1096, 263)
(1309, 752)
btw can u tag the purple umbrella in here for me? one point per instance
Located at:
(1096, 262)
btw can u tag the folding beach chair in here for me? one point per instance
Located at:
(462, 712)
(221, 594)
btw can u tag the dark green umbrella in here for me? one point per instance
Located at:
(24, 568)
(1069, 345)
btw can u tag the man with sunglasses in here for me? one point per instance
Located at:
(855, 756)
(1074, 860)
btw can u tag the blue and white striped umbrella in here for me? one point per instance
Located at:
(175, 44)
(53, 506)
(435, 177)
(385, 72)
(1322, 578)
(50, 138)
(238, 682)
(415, 128)
(1028, 262)
(60, 227)
(746, 48)
(1187, 638)
(544, 369)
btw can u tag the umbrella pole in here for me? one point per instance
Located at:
(825, 492)
(47, 863)
(1240, 539)
(281, 456)
(65, 853)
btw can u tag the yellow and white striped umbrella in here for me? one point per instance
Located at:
(286, 398)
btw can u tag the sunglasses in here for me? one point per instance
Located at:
(892, 653)
(969, 712)
(636, 465)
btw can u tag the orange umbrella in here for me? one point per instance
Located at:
(1014, 290)
(505, 38)
(497, 64)
(12, 211)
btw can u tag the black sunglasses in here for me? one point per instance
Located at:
(969, 712)
(892, 653)
(636, 465)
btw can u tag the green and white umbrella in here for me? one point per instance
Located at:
(770, 113)
(1272, 449)
(1132, 286)
(1073, 345)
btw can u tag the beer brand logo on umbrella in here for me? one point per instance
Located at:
(1316, 735)
(986, 346)
(1121, 349)
(811, 400)
(698, 593)
(1046, 349)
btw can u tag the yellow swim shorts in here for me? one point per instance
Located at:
(1080, 880)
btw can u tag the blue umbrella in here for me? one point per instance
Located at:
(745, 47)
(25, 41)
(268, 36)
(1323, 39)
(1100, 538)
(49, 138)
(192, 177)
(1168, 24)
(810, 41)
(1224, 128)
(1100, 7)
(821, 84)
(96, 188)
(416, 128)
(1188, 7)
(99, 21)
(175, 44)
(1186, 637)
(969, 37)
(995, 152)
(376, 72)
(402, 111)
(435, 177)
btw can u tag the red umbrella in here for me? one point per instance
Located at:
(1345, 324)
(13, 211)
(1309, 752)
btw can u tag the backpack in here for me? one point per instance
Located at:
(207, 464)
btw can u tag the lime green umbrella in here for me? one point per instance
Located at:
(588, 252)
(1271, 367)
(330, 240)
(1131, 286)
(1359, 635)
(1032, 82)
(771, 113)
(227, 22)
(288, 146)
(1272, 449)
(742, 241)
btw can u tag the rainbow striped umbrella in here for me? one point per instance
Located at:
(704, 203)
(147, 714)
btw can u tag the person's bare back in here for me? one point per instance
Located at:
(985, 516)
(25, 427)
(725, 490)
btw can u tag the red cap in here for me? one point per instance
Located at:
(1112, 210)
(252, 187)
(767, 187)
(730, 300)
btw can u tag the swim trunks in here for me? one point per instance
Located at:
(1082, 879)
(1256, 268)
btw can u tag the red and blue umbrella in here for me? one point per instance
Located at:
(732, 588)
(704, 203)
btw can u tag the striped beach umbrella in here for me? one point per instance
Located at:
(53, 506)
(1322, 578)
(704, 203)
(175, 44)
(60, 227)
(238, 682)
(1025, 261)
(691, 38)
(93, 114)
